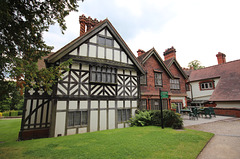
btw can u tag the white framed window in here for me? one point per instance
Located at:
(103, 74)
(206, 85)
(158, 78)
(174, 84)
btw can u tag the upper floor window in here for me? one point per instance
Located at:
(103, 74)
(105, 41)
(206, 85)
(174, 84)
(158, 79)
(143, 79)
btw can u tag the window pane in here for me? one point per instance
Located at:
(70, 119)
(109, 42)
(128, 114)
(93, 78)
(84, 117)
(101, 40)
(143, 79)
(98, 77)
(94, 68)
(210, 85)
(113, 78)
(77, 118)
(124, 117)
(119, 115)
(104, 77)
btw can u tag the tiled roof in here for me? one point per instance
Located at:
(41, 62)
(228, 87)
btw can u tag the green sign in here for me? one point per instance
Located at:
(164, 94)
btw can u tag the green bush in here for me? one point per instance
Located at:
(170, 119)
(5, 113)
(20, 112)
(143, 118)
(13, 113)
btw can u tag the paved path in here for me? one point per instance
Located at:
(226, 142)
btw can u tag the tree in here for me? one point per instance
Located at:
(22, 23)
(195, 64)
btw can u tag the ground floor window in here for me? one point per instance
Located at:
(143, 104)
(155, 104)
(77, 118)
(124, 115)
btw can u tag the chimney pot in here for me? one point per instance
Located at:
(140, 52)
(221, 57)
(169, 53)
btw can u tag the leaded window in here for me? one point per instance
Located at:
(174, 84)
(105, 41)
(155, 104)
(207, 85)
(103, 74)
(124, 115)
(158, 79)
(143, 104)
(77, 118)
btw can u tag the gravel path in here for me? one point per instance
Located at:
(226, 142)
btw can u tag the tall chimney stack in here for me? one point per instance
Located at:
(169, 53)
(140, 52)
(221, 57)
(86, 22)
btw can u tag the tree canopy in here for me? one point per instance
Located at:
(195, 64)
(22, 23)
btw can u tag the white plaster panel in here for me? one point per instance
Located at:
(111, 104)
(103, 120)
(133, 112)
(83, 50)
(111, 119)
(83, 104)
(100, 52)
(93, 39)
(45, 113)
(74, 52)
(102, 32)
(50, 110)
(39, 111)
(103, 104)
(120, 104)
(73, 90)
(82, 130)
(61, 105)
(134, 104)
(75, 66)
(121, 125)
(124, 57)
(27, 108)
(126, 125)
(60, 123)
(116, 45)
(109, 54)
(179, 98)
(127, 104)
(127, 72)
(94, 104)
(108, 34)
(73, 104)
(71, 131)
(33, 115)
(85, 67)
(130, 61)
(93, 120)
(134, 73)
(119, 71)
(92, 51)
(116, 55)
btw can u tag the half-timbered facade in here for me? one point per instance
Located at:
(101, 90)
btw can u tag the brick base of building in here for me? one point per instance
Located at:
(33, 134)
(228, 111)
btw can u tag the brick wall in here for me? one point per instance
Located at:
(228, 111)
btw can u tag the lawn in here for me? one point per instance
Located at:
(133, 142)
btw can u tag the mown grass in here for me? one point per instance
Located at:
(133, 142)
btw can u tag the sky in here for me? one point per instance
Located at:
(197, 29)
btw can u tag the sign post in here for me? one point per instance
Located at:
(160, 95)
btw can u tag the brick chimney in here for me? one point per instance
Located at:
(169, 53)
(86, 22)
(221, 57)
(140, 52)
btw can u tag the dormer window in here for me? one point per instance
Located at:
(174, 84)
(206, 85)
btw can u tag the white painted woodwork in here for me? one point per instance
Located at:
(83, 50)
(121, 125)
(116, 45)
(103, 119)
(116, 55)
(73, 104)
(75, 66)
(109, 54)
(85, 67)
(74, 52)
(60, 123)
(111, 104)
(130, 62)
(127, 72)
(111, 119)
(124, 57)
(127, 104)
(134, 104)
(94, 104)
(102, 32)
(108, 34)
(93, 120)
(119, 104)
(119, 71)
(103, 104)
(82, 130)
(61, 105)
(134, 73)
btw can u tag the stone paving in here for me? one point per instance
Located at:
(226, 142)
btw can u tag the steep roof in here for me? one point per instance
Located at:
(228, 87)
(144, 57)
(81, 39)
(169, 63)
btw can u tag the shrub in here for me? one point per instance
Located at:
(143, 118)
(170, 119)
(13, 113)
(0, 114)
(5, 113)
(20, 112)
